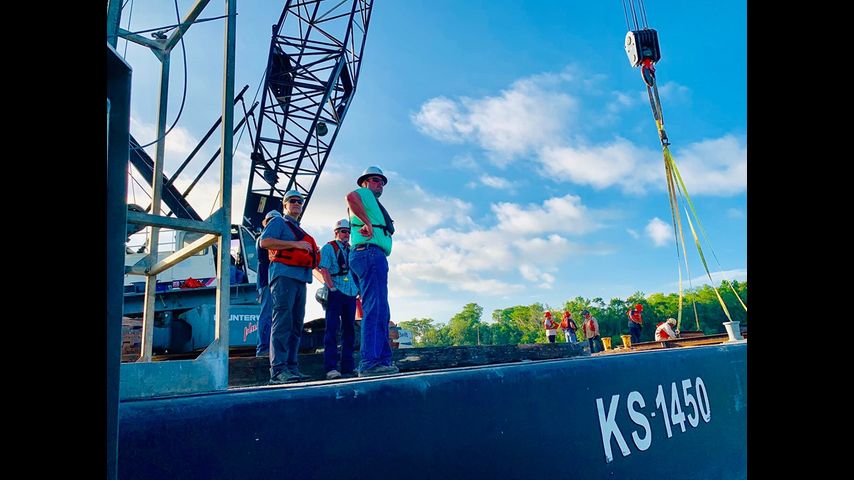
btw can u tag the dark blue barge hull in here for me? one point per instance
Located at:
(588, 417)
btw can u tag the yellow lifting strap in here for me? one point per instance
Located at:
(674, 184)
(674, 179)
(702, 230)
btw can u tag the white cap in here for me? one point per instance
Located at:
(369, 172)
(343, 223)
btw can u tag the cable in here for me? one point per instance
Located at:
(634, 14)
(626, 14)
(124, 55)
(643, 13)
(183, 94)
(132, 189)
(171, 27)
(246, 124)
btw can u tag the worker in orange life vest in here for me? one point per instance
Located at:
(550, 326)
(591, 331)
(293, 254)
(569, 327)
(664, 330)
(635, 322)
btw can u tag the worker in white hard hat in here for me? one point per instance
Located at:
(664, 330)
(265, 318)
(340, 303)
(371, 229)
(293, 255)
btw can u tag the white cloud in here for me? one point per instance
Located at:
(734, 213)
(739, 274)
(441, 119)
(672, 92)
(618, 163)
(558, 214)
(715, 167)
(468, 257)
(531, 118)
(495, 182)
(464, 162)
(533, 274)
(179, 141)
(661, 233)
(633, 233)
(532, 112)
(709, 167)
(618, 103)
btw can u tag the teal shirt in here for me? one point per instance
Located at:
(375, 215)
(329, 261)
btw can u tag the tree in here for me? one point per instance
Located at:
(420, 328)
(463, 326)
(524, 323)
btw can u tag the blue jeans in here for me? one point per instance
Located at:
(340, 311)
(595, 344)
(570, 336)
(370, 269)
(288, 314)
(635, 331)
(265, 321)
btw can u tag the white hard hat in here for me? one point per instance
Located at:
(369, 172)
(291, 193)
(341, 224)
(671, 321)
(272, 213)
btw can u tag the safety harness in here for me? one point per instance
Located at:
(343, 265)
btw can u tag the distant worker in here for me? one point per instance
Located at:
(664, 330)
(235, 273)
(550, 326)
(265, 319)
(635, 323)
(293, 255)
(569, 327)
(591, 331)
(340, 303)
(371, 229)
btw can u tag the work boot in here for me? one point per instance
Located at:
(379, 370)
(333, 374)
(284, 377)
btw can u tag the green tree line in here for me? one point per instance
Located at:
(701, 311)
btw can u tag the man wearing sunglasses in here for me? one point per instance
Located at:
(371, 228)
(340, 303)
(293, 254)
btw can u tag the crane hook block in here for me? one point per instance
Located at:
(642, 44)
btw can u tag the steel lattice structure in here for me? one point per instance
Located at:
(312, 72)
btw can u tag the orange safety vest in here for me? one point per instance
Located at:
(589, 329)
(297, 257)
(567, 324)
(636, 317)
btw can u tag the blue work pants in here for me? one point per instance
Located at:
(340, 312)
(288, 315)
(370, 269)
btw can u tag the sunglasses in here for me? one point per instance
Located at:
(375, 179)
(342, 230)
(298, 201)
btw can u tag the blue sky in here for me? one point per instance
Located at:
(522, 157)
